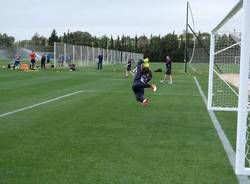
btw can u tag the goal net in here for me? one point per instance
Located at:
(225, 61)
(196, 43)
(79, 55)
(229, 71)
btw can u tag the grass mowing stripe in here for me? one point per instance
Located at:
(125, 93)
(39, 104)
(224, 140)
(85, 91)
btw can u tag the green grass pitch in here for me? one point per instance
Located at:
(103, 136)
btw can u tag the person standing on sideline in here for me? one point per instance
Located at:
(129, 68)
(32, 59)
(43, 60)
(100, 60)
(17, 61)
(168, 74)
(48, 57)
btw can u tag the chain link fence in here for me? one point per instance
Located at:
(65, 54)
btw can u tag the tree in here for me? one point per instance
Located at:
(118, 44)
(103, 41)
(111, 46)
(136, 44)
(38, 43)
(155, 48)
(53, 38)
(143, 45)
(6, 41)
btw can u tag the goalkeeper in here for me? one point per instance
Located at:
(142, 77)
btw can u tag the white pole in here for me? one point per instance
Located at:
(211, 72)
(74, 54)
(93, 54)
(65, 55)
(110, 56)
(243, 92)
(81, 56)
(87, 56)
(54, 54)
(107, 55)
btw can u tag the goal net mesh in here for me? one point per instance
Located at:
(227, 63)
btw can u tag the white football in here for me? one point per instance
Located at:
(154, 88)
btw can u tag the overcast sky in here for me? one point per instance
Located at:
(23, 18)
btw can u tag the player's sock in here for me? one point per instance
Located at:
(145, 102)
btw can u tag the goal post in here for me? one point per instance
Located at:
(242, 146)
(229, 76)
(211, 71)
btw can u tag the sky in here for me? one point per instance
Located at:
(23, 18)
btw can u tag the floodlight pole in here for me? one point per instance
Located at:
(186, 41)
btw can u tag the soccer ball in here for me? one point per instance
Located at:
(154, 87)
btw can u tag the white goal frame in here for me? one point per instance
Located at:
(243, 94)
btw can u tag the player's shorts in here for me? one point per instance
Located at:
(33, 61)
(169, 71)
(139, 93)
(128, 69)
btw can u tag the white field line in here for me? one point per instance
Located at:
(193, 68)
(222, 136)
(88, 91)
(39, 104)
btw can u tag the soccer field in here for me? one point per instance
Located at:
(86, 127)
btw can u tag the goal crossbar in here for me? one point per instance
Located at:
(235, 10)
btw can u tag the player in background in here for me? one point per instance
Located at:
(129, 68)
(17, 61)
(32, 60)
(48, 57)
(43, 61)
(100, 60)
(168, 74)
(141, 79)
(60, 60)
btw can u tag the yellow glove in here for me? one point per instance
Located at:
(146, 63)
